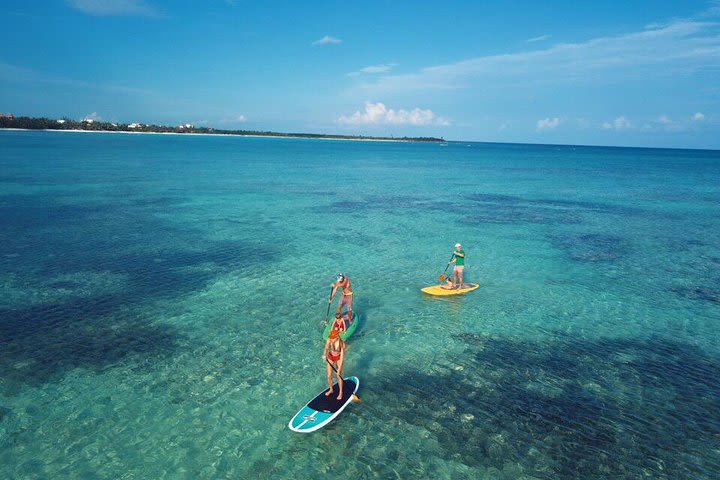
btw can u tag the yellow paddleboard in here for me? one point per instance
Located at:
(438, 290)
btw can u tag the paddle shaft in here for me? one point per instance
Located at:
(327, 314)
(447, 266)
(331, 366)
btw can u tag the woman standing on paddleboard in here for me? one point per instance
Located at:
(334, 354)
(346, 298)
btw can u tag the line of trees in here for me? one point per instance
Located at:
(33, 123)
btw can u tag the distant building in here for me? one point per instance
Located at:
(88, 120)
(135, 125)
(61, 121)
(9, 116)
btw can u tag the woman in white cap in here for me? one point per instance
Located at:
(459, 261)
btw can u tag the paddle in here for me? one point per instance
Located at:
(442, 276)
(354, 397)
(327, 314)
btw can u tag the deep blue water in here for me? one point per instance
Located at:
(161, 302)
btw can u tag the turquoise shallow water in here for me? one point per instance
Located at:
(161, 300)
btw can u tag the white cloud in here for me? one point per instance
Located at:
(620, 123)
(113, 7)
(327, 40)
(713, 9)
(538, 39)
(386, 67)
(683, 46)
(93, 117)
(230, 120)
(547, 124)
(379, 114)
(664, 120)
(372, 69)
(698, 117)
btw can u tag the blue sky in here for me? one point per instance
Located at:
(640, 73)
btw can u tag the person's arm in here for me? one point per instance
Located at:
(342, 351)
(325, 349)
(459, 254)
(334, 291)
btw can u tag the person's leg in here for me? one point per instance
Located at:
(329, 378)
(341, 304)
(461, 275)
(349, 309)
(340, 379)
(455, 278)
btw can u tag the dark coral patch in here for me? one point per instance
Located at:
(591, 247)
(567, 409)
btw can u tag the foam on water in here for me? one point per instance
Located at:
(161, 302)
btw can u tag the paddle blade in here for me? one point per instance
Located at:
(442, 277)
(355, 399)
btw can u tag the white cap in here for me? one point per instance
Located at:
(457, 245)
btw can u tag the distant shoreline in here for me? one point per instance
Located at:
(287, 136)
(10, 122)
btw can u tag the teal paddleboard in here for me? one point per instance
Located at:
(323, 409)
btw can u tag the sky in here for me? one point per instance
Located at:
(626, 73)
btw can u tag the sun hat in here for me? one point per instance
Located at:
(339, 276)
(457, 245)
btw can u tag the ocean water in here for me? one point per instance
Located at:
(161, 303)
